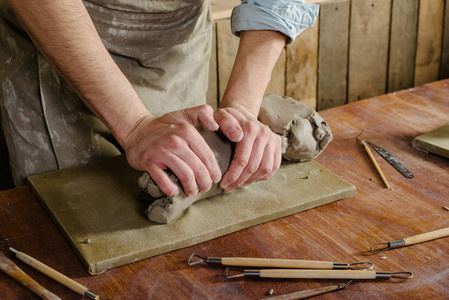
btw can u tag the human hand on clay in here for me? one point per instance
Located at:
(257, 153)
(172, 142)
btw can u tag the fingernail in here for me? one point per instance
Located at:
(235, 135)
(216, 178)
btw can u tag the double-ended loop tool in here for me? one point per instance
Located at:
(419, 238)
(62, 279)
(279, 263)
(317, 274)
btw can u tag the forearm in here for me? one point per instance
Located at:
(66, 36)
(256, 57)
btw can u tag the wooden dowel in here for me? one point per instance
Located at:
(428, 236)
(376, 165)
(276, 263)
(12, 270)
(318, 274)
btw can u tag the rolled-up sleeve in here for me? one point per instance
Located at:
(290, 17)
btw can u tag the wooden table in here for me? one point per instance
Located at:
(341, 231)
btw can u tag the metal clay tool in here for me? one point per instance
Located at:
(318, 274)
(420, 238)
(373, 160)
(64, 280)
(392, 161)
(310, 293)
(278, 263)
(12, 270)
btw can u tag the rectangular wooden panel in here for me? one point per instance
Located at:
(368, 48)
(227, 47)
(302, 67)
(444, 67)
(430, 30)
(277, 82)
(404, 20)
(333, 53)
(212, 88)
(96, 202)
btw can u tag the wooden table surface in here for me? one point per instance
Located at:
(341, 231)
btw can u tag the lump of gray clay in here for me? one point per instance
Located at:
(304, 136)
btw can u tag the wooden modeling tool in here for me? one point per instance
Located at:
(310, 293)
(420, 238)
(318, 274)
(62, 279)
(278, 263)
(373, 160)
(12, 270)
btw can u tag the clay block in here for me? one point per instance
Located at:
(94, 206)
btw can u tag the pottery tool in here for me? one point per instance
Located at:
(64, 280)
(420, 238)
(397, 165)
(373, 160)
(12, 270)
(318, 274)
(310, 293)
(278, 263)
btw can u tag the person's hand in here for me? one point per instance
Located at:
(172, 142)
(258, 150)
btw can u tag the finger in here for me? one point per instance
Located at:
(241, 158)
(184, 173)
(277, 160)
(203, 158)
(254, 168)
(162, 180)
(229, 125)
(204, 115)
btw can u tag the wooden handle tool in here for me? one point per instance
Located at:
(12, 270)
(309, 293)
(419, 238)
(318, 274)
(376, 165)
(279, 263)
(64, 280)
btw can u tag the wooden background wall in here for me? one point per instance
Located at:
(357, 49)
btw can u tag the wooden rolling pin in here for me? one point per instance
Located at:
(12, 270)
(278, 263)
(319, 274)
(416, 239)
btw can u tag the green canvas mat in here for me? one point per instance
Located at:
(435, 141)
(96, 202)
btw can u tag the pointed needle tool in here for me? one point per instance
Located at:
(62, 279)
(278, 263)
(419, 238)
(310, 293)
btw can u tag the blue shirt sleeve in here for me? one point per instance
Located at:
(290, 17)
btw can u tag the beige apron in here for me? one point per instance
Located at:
(163, 48)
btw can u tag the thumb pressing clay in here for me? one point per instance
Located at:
(304, 136)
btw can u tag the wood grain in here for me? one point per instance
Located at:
(430, 30)
(302, 67)
(333, 53)
(340, 231)
(368, 48)
(404, 21)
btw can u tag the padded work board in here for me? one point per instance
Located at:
(435, 141)
(96, 202)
